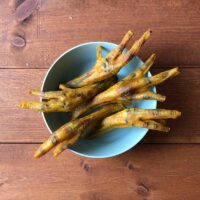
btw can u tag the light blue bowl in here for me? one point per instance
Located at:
(74, 62)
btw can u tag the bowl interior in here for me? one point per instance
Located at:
(73, 63)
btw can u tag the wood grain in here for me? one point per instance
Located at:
(19, 125)
(147, 172)
(182, 94)
(55, 28)
(16, 123)
(150, 172)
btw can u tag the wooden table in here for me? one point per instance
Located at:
(164, 166)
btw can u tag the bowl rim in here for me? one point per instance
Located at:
(42, 87)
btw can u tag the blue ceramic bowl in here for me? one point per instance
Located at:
(73, 63)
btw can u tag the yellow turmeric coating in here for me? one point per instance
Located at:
(146, 95)
(77, 127)
(67, 99)
(65, 144)
(129, 88)
(112, 63)
(144, 118)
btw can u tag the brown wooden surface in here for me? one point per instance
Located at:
(56, 27)
(152, 172)
(149, 171)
